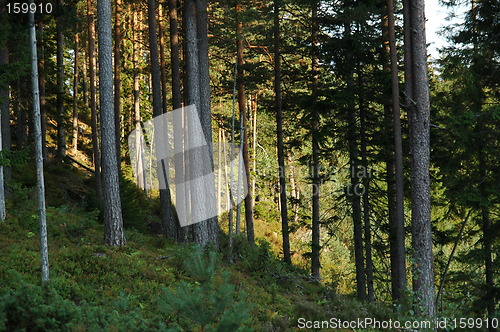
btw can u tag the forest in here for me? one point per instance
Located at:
(248, 165)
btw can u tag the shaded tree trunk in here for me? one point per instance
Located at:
(113, 222)
(399, 275)
(315, 244)
(75, 96)
(5, 115)
(243, 116)
(417, 93)
(38, 152)
(41, 82)
(93, 99)
(179, 162)
(169, 225)
(118, 81)
(61, 130)
(279, 134)
(205, 113)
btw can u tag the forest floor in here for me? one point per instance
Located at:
(149, 284)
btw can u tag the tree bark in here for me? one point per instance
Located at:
(353, 192)
(41, 82)
(365, 198)
(75, 96)
(315, 244)
(399, 217)
(118, 81)
(38, 151)
(205, 113)
(417, 89)
(279, 134)
(113, 222)
(243, 116)
(61, 130)
(179, 162)
(169, 225)
(93, 99)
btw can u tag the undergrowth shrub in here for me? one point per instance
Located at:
(207, 303)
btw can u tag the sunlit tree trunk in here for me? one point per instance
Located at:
(243, 116)
(113, 222)
(93, 99)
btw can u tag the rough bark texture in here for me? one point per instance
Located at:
(75, 96)
(366, 200)
(205, 112)
(279, 135)
(419, 119)
(93, 99)
(243, 116)
(38, 152)
(169, 225)
(354, 190)
(399, 284)
(315, 244)
(41, 83)
(118, 81)
(177, 104)
(61, 130)
(113, 222)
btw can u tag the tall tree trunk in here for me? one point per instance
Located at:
(141, 171)
(279, 134)
(41, 82)
(61, 121)
(194, 157)
(4, 108)
(118, 81)
(5, 115)
(417, 93)
(169, 225)
(399, 275)
(243, 116)
(38, 151)
(366, 200)
(315, 244)
(179, 162)
(93, 99)
(205, 114)
(163, 65)
(354, 191)
(113, 222)
(75, 96)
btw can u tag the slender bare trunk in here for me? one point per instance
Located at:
(75, 95)
(418, 103)
(118, 81)
(61, 121)
(315, 244)
(279, 134)
(113, 220)
(93, 99)
(38, 151)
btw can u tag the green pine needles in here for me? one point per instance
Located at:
(208, 303)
